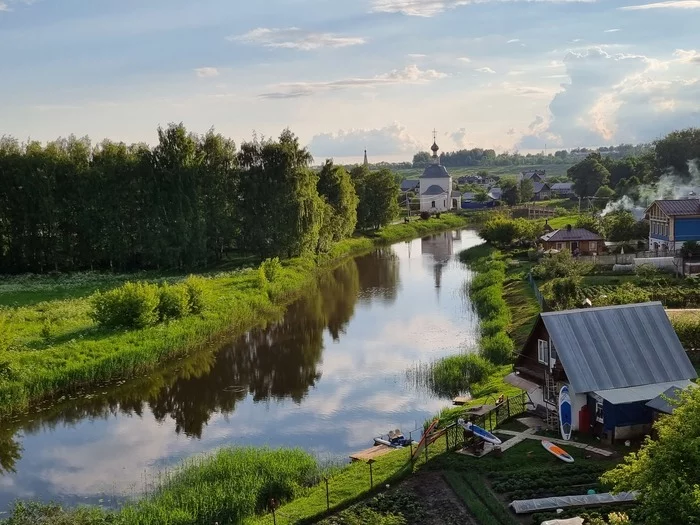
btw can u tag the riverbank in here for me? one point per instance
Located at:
(50, 348)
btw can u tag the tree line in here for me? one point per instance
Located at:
(187, 202)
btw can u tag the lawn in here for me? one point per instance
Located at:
(561, 222)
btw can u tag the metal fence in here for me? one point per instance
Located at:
(538, 294)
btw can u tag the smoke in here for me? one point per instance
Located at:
(671, 185)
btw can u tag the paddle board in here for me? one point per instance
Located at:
(478, 431)
(557, 451)
(421, 443)
(565, 413)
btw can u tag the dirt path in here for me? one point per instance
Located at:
(443, 505)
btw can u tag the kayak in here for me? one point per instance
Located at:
(478, 431)
(557, 451)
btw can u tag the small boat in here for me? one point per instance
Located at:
(557, 451)
(478, 431)
(565, 413)
(396, 439)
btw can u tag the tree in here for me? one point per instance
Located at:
(677, 148)
(589, 222)
(502, 231)
(510, 190)
(527, 190)
(279, 209)
(481, 196)
(421, 159)
(340, 204)
(620, 226)
(377, 192)
(589, 175)
(666, 470)
(605, 192)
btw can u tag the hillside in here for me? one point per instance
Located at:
(553, 170)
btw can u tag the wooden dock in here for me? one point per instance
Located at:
(371, 453)
(461, 400)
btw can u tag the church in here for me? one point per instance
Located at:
(436, 193)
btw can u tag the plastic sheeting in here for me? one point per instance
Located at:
(527, 506)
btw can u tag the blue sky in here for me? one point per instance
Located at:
(379, 74)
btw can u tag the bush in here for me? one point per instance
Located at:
(560, 265)
(489, 301)
(689, 333)
(424, 215)
(498, 348)
(196, 301)
(272, 268)
(493, 326)
(132, 305)
(261, 278)
(173, 302)
(490, 278)
(626, 293)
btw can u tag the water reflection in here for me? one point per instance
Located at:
(326, 376)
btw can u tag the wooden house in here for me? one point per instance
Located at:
(672, 223)
(613, 359)
(578, 241)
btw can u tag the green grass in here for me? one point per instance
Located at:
(53, 346)
(553, 170)
(561, 222)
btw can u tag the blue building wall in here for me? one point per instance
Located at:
(478, 205)
(625, 415)
(687, 229)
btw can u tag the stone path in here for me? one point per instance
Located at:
(530, 434)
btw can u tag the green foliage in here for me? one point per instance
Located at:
(626, 293)
(132, 305)
(589, 222)
(377, 192)
(562, 292)
(665, 470)
(173, 302)
(453, 375)
(589, 175)
(52, 514)
(621, 226)
(335, 185)
(364, 516)
(510, 191)
(195, 288)
(498, 348)
(272, 268)
(677, 148)
(503, 231)
(527, 190)
(605, 192)
(561, 264)
(688, 332)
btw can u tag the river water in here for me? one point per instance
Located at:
(328, 377)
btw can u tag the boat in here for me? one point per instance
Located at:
(565, 413)
(557, 451)
(479, 432)
(395, 439)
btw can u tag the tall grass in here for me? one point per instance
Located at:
(54, 347)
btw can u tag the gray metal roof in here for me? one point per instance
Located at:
(680, 207)
(495, 193)
(562, 186)
(456, 194)
(434, 190)
(575, 234)
(617, 346)
(633, 394)
(409, 184)
(435, 171)
(539, 186)
(468, 196)
(664, 402)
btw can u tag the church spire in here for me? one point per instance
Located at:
(366, 161)
(435, 148)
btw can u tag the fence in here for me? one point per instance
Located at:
(538, 294)
(450, 438)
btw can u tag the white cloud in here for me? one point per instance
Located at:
(466, 60)
(485, 70)
(408, 75)
(611, 30)
(4, 6)
(388, 140)
(673, 4)
(295, 38)
(416, 55)
(687, 56)
(428, 8)
(513, 41)
(207, 72)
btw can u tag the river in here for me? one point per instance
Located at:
(328, 377)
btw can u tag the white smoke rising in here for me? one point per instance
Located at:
(671, 185)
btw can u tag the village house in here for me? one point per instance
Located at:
(563, 189)
(578, 241)
(617, 362)
(533, 175)
(542, 191)
(672, 223)
(410, 185)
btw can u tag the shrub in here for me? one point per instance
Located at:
(173, 302)
(196, 301)
(261, 278)
(272, 268)
(424, 215)
(626, 293)
(493, 326)
(132, 305)
(498, 348)
(489, 301)
(454, 374)
(560, 265)
(484, 280)
(689, 333)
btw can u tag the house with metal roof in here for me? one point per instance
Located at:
(563, 189)
(541, 191)
(410, 185)
(672, 223)
(615, 360)
(578, 241)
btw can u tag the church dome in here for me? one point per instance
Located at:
(435, 171)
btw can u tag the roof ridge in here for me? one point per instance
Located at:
(598, 308)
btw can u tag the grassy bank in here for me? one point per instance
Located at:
(53, 346)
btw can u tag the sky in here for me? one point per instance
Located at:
(347, 76)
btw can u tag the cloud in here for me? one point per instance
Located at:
(207, 72)
(408, 75)
(614, 98)
(4, 6)
(485, 70)
(513, 41)
(295, 38)
(673, 4)
(388, 140)
(611, 30)
(459, 137)
(466, 60)
(511, 132)
(416, 55)
(429, 8)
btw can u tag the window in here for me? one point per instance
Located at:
(542, 351)
(599, 412)
(593, 246)
(433, 204)
(552, 352)
(560, 246)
